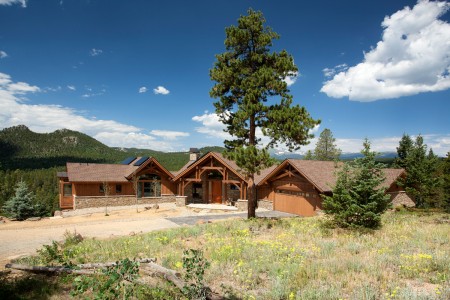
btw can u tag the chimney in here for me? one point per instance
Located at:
(194, 154)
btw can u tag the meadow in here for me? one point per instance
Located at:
(295, 258)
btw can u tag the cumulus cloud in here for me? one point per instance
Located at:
(291, 78)
(95, 52)
(47, 118)
(10, 2)
(169, 135)
(72, 87)
(211, 126)
(412, 58)
(3, 54)
(160, 90)
(143, 90)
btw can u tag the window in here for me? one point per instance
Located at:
(118, 188)
(101, 190)
(234, 187)
(149, 186)
(67, 190)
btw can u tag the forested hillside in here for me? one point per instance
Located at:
(36, 157)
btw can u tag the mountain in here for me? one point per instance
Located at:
(21, 148)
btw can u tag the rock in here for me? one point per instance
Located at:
(57, 213)
(147, 208)
(132, 233)
(155, 206)
(34, 219)
(200, 222)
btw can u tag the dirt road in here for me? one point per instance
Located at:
(24, 238)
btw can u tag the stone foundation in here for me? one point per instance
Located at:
(80, 202)
(265, 204)
(401, 199)
(242, 205)
(181, 200)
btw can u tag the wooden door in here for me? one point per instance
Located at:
(216, 191)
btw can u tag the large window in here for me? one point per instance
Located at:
(67, 190)
(149, 186)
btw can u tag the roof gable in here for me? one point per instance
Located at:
(231, 165)
(148, 164)
(323, 174)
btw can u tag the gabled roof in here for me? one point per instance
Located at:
(89, 172)
(322, 174)
(218, 156)
(146, 163)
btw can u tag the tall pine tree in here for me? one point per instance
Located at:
(326, 148)
(422, 181)
(246, 76)
(403, 150)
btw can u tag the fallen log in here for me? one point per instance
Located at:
(168, 274)
(111, 264)
(51, 270)
(173, 276)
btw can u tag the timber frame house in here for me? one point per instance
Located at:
(294, 186)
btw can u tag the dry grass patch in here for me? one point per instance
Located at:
(301, 258)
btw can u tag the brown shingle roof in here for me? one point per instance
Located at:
(322, 174)
(88, 172)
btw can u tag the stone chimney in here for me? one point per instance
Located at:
(194, 154)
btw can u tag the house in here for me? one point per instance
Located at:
(294, 186)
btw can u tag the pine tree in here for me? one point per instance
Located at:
(403, 150)
(20, 206)
(446, 183)
(309, 155)
(358, 200)
(422, 182)
(326, 148)
(247, 75)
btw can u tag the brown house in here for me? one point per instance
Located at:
(294, 186)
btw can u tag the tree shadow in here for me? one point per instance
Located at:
(39, 287)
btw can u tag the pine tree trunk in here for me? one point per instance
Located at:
(251, 212)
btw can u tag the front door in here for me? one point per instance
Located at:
(216, 191)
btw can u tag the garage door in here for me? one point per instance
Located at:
(294, 204)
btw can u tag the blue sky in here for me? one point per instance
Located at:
(136, 73)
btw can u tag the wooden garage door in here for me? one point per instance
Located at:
(294, 204)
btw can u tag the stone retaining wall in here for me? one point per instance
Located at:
(101, 201)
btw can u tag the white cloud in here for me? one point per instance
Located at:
(3, 54)
(161, 90)
(330, 72)
(291, 78)
(169, 135)
(315, 129)
(95, 52)
(48, 118)
(412, 58)
(211, 126)
(72, 87)
(143, 90)
(10, 2)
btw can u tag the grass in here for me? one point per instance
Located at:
(300, 258)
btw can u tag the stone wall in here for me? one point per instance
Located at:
(242, 205)
(101, 201)
(401, 199)
(265, 204)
